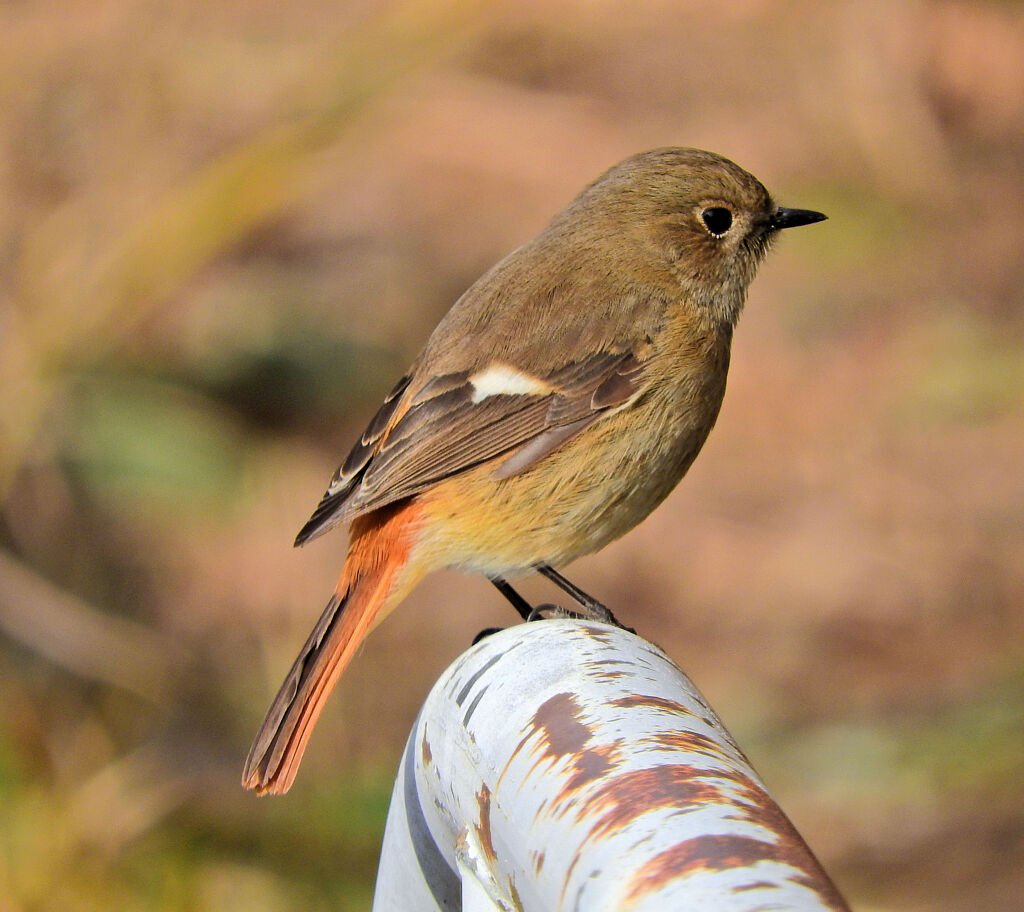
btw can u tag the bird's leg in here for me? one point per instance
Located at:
(592, 608)
(524, 608)
(591, 604)
(526, 611)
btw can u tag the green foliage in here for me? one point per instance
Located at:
(972, 372)
(142, 442)
(969, 748)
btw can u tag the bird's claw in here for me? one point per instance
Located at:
(486, 632)
(550, 610)
(591, 612)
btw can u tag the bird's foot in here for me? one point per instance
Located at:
(485, 633)
(548, 611)
(591, 612)
(595, 611)
(590, 609)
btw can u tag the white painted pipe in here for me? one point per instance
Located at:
(569, 765)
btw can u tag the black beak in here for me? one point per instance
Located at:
(794, 218)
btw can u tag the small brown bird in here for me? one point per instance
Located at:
(558, 402)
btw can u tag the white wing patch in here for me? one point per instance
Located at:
(501, 380)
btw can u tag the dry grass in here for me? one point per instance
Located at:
(226, 227)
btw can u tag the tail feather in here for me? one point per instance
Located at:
(378, 554)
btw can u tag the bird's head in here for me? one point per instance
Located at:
(696, 214)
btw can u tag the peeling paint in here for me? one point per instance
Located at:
(483, 827)
(753, 885)
(718, 853)
(607, 670)
(634, 700)
(624, 798)
(601, 634)
(590, 765)
(558, 729)
(688, 741)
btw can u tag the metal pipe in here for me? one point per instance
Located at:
(571, 765)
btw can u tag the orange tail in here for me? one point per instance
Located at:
(375, 578)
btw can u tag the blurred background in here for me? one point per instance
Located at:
(227, 227)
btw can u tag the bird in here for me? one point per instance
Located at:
(555, 405)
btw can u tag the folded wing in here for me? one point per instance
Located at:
(457, 421)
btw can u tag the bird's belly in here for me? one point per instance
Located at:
(578, 499)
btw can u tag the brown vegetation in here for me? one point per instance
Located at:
(227, 227)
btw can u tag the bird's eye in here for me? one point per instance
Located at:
(717, 219)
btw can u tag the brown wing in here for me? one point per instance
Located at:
(448, 428)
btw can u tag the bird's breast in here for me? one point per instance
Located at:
(590, 491)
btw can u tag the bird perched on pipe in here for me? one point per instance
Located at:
(556, 404)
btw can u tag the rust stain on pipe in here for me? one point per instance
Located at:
(624, 798)
(722, 852)
(653, 702)
(559, 731)
(693, 742)
(483, 828)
